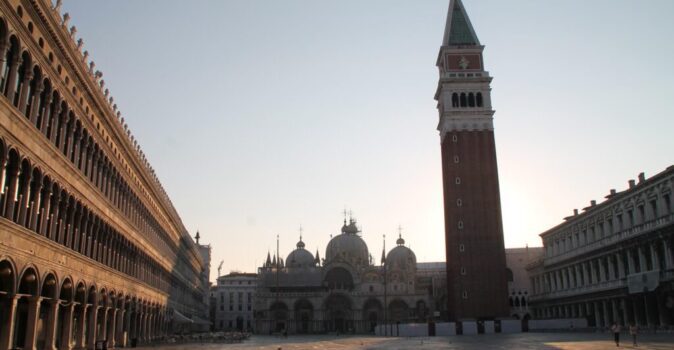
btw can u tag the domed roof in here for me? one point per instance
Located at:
(300, 257)
(348, 246)
(401, 256)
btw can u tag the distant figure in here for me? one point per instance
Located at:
(634, 330)
(615, 328)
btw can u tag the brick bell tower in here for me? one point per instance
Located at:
(476, 266)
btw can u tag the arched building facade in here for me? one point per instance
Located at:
(91, 248)
(344, 293)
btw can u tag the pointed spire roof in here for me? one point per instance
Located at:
(268, 263)
(458, 30)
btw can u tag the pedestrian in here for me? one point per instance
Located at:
(634, 330)
(615, 328)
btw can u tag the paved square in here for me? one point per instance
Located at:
(581, 341)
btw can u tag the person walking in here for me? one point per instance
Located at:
(634, 330)
(615, 328)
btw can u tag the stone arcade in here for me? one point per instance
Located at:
(91, 248)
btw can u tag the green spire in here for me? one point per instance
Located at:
(460, 30)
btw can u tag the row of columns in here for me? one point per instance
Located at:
(78, 326)
(645, 310)
(32, 200)
(35, 98)
(641, 214)
(654, 255)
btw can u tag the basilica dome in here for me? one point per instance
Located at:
(401, 257)
(300, 257)
(348, 246)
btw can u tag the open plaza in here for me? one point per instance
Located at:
(522, 341)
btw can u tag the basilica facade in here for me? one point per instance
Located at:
(346, 292)
(92, 251)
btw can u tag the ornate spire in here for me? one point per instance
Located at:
(197, 237)
(268, 263)
(383, 251)
(300, 244)
(458, 30)
(400, 240)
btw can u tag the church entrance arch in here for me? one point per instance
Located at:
(372, 313)
(304, 315)
(338, 313)
(398, 311)
(279, 316)
(339, 278)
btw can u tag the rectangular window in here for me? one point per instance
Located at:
(642, 214)
(630, 219)
(619, 222)
(654, 209)
(668, 204)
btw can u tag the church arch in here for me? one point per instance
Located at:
(304, 315)
(478, 99)
(338, 312)
(471, 99)
(339, 278)
(398, 311)
(279, 315)
(455, 100)
(373, 313)
(463, 100)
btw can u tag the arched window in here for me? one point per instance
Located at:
(471, 100)
(455, 100)
(478, 99)
(21, 75)
(11, 59)
(463, 100)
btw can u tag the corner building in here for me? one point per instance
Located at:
(91, 248)
(476, 265)
(612, 262)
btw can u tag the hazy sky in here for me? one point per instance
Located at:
(261, 116)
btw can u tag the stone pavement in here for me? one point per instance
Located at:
(524, 341)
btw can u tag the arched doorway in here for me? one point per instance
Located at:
(304, 315)
(525, 323)
(7, 282)
(65, 310)
(372, 314)
(339, 278)
(421, 311)
(239, 323)
(398, 311)
(279, 316)
(338, 313)
(79, 315)
(47, 313)
(28, 289)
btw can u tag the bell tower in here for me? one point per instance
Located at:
(475, 253)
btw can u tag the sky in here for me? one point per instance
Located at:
(263, 116)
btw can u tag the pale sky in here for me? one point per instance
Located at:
(261, 116)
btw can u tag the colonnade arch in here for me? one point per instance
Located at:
(31, 91)
(44, 312)
(32, 199)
